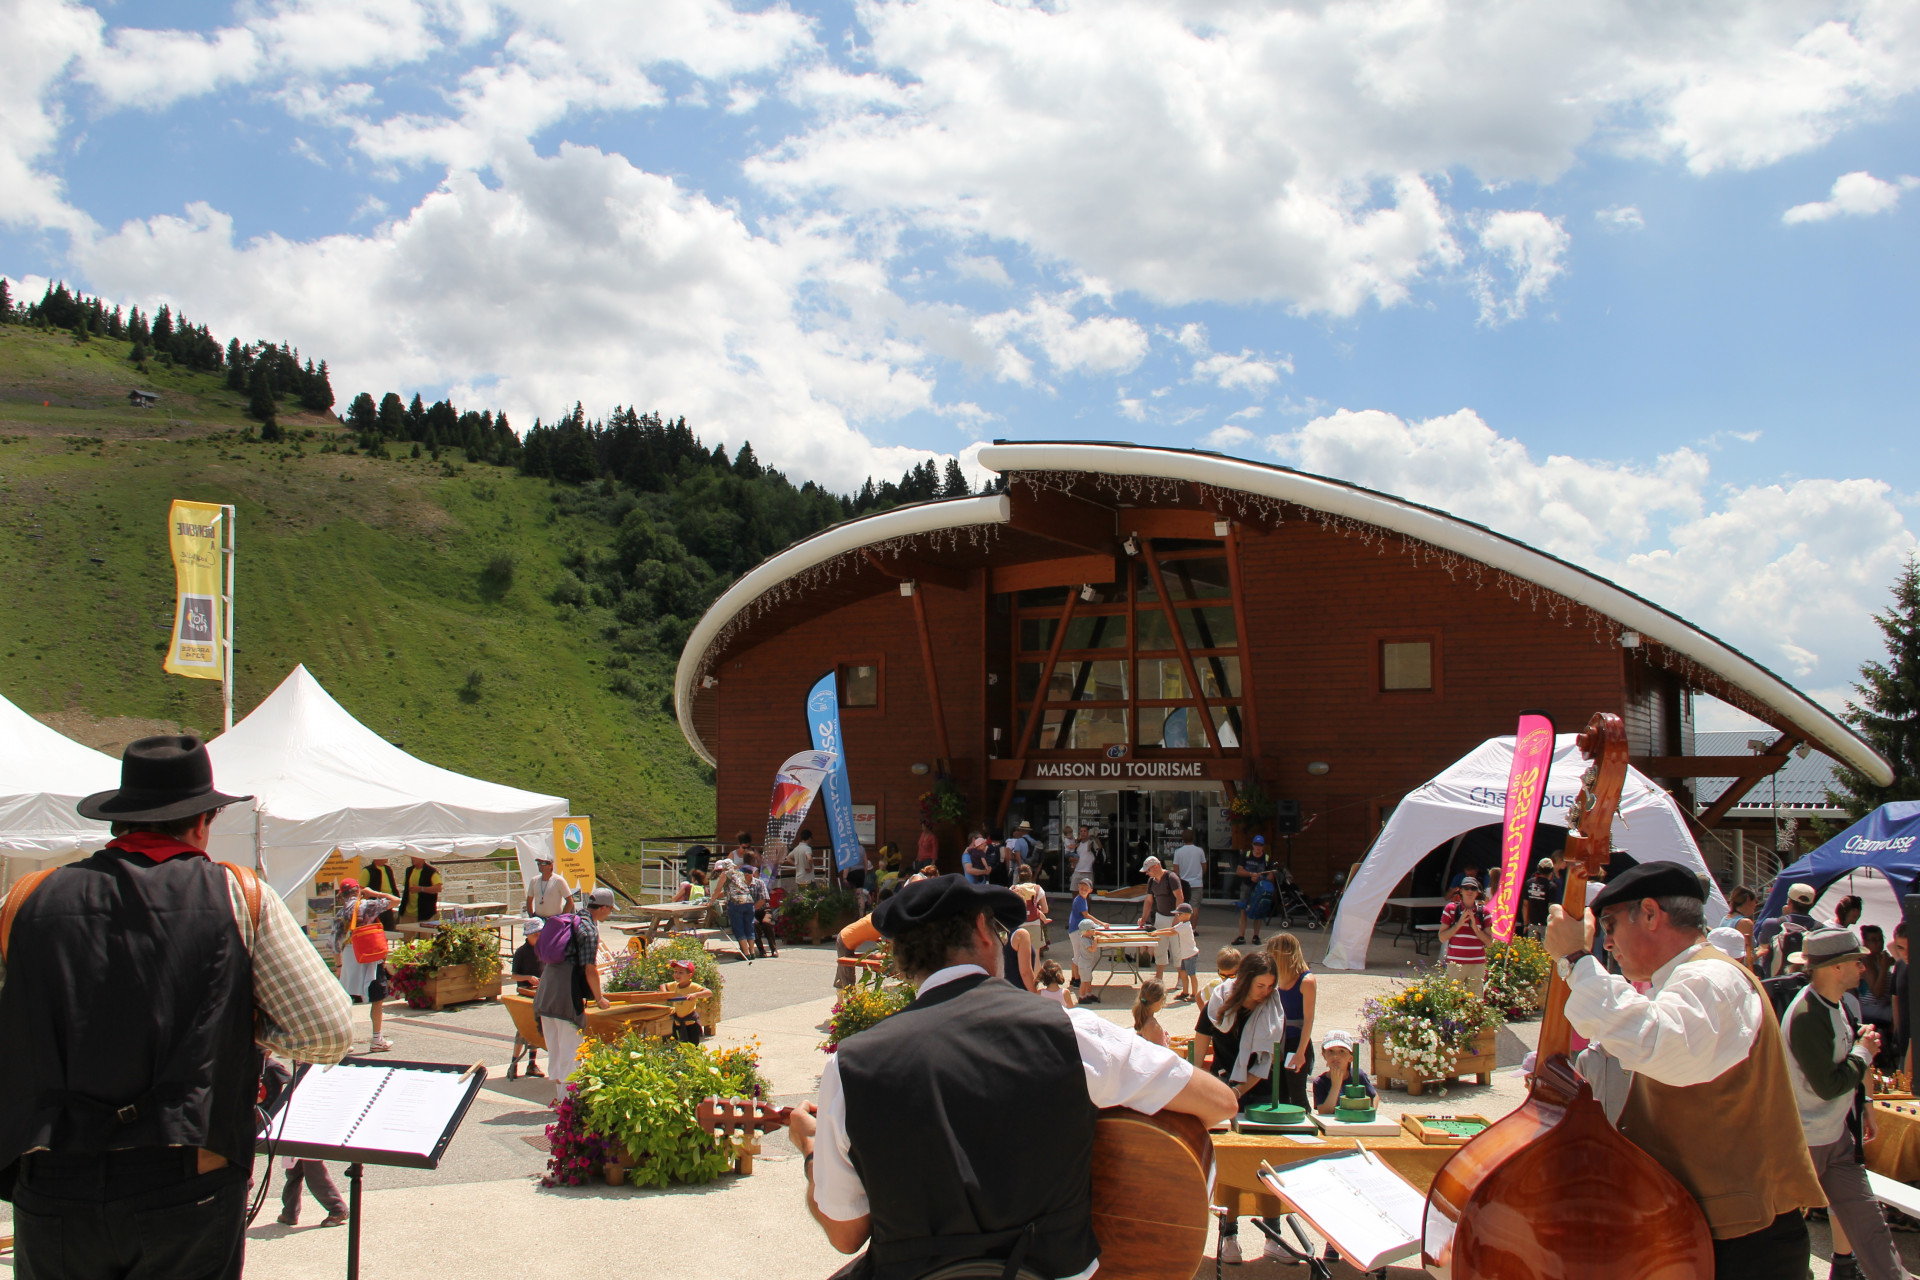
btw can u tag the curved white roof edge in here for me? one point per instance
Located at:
(1474, 541)
(850, 535)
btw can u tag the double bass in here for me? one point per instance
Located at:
(1552, 1191)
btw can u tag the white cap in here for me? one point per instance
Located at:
(1801, 893)
(1731, 941)
(1338, 1039)
(1150, 864)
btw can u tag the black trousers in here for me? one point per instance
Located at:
(141, 1214)
(1777, 1252)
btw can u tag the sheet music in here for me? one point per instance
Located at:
(411, 1112)
(1370, 1213)
(327, 1104)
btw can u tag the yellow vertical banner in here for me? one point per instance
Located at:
(193, 543)
(573, 852)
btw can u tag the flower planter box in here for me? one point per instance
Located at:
(1479, 1061)
(455, 985)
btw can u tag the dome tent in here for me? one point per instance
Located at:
(43, 774)
(1472, 792)
(322, 781)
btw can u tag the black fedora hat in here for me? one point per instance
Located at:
(161, 779)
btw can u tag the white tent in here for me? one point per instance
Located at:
(324, 781)
(1472, 792)
(43, 774)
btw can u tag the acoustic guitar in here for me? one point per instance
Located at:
(1152, 1184)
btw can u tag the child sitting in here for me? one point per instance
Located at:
(1225, 964)
(526, 974)
(1186, 952)
(686, 1010)
(1152, 998)
(1337, 1048)
(1053, 984)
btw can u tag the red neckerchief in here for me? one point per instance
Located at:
(153, 845)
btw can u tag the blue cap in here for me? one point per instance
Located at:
(1259, 839)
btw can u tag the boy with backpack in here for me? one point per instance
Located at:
(1781, 936)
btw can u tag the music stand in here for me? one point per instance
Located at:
(407, 1132)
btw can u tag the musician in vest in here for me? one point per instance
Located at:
(1694, 1071)
(139, 986)
(962, 1127)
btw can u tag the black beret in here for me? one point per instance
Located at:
(1651, 880)
(926, 901)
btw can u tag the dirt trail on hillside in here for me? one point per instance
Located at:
(110, 734)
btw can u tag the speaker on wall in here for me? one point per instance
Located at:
(1286, 817)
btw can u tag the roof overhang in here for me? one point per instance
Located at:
(1317, 493)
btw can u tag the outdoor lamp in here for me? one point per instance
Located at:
(1319, 768)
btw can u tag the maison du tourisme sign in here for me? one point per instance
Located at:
(1120, 769)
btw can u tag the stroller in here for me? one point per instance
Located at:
(1293, 902)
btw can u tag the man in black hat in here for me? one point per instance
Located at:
(962, 1127)
(139, 986)
(1694, 1071)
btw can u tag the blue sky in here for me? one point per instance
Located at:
(1635, 285)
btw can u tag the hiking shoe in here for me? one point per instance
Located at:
(1846, 1267)
(1230, 1251)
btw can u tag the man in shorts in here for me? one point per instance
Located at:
(1251, 872)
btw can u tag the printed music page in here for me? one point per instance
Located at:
(1368, 1212)
(411, 1112)
(326, 1105)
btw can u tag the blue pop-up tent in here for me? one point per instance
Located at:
(1886, 840)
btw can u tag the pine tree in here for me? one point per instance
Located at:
(1888, 712)
(745, 465)
(260, 393)
(393, 417)
(416, 418)
(955, 483)
(6, 302)
(364, 417)
(236, 365)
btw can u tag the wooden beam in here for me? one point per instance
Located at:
(1164, 522)
(1039, 701)
(933, 680)
(1070, 571)
(907, 569)
(1708, 766)
(1716, 812)
(1063, 518)
(1249, 716)
(1186, 655)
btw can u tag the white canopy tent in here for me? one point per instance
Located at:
(324, 781)
(43, 774)
(1471, 793)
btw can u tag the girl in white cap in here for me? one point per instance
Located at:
(1342, 1070)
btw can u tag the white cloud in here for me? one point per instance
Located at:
(1242, 372)
(1620, 218)
(38, 39)
(1531, 247)
(1098, 344)
(574, 276)
(1789, 573)
(982, 267)
(1858, 194)
(1227, 437)
(1299, 153)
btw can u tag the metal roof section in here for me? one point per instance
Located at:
(1337, 498)
(1803, 783)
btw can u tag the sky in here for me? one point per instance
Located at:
(1634, 283)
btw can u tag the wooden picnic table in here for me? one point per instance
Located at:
(672, 917)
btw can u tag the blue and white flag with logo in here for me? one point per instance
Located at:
(836, 795)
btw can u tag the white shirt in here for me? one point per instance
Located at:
(1122, 1070)
(1190, 860)
(1697, 1021)
(1083, 859)
(803, 862)
(550, 896)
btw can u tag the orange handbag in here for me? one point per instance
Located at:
(369, 943)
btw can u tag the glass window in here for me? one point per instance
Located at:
(1208, 627)
(1043, 597)
(860, 685)
(1164, 678)
(1103, 681)
(1201, 578)
(1101, 631)
(1082, 729)
(1180, 728)
(1037, 633)
(1406, 664)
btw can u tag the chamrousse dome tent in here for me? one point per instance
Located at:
(322, 781)
(1472, 792)
(43, 774)
(1877, 859)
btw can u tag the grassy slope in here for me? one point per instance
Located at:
(367, 571)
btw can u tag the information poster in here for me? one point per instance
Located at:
(335, 869)
(573, 852)
(866, 822)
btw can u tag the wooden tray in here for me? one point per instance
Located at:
(1419, 1130)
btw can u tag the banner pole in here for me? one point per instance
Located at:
(226, 618)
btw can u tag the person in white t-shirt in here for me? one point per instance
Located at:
(547, 893)
(803, 857)
(1190, 862)
(1084, 853)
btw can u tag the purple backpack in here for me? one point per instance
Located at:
(554, 939)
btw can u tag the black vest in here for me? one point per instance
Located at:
(127, 1014)
(969, 1120)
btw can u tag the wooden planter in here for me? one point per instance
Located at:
(1479, 1062)
(455, 985)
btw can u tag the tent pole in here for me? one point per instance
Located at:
(226, 619)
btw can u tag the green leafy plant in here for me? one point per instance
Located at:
(411, 964)
(1516, 974)
(819, 903)
(945, 802)
(1428, 1022)
(645, 972)
(641, 1094)
(1251, 805)
(860, 1007)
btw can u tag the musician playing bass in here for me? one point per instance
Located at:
(963, 1126)
(1694, 1071)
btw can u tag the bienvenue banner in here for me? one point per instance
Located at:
(836, 795)
(193, 544)
(1526, 788)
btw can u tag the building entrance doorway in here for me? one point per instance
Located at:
(1128, 825)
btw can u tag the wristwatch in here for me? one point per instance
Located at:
(1565, 965)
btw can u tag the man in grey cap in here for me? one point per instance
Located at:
(560, 1001)
(547, 893)
(1693, 1070)
(1780, 937)
(1830, 1051)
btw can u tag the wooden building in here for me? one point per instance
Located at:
(1128, 637)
